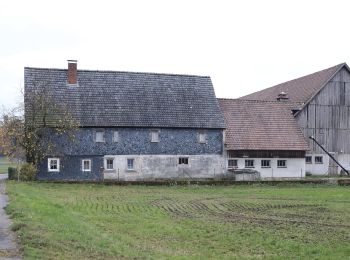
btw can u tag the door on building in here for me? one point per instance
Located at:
(333, 167)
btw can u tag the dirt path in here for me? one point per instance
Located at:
(8, 246)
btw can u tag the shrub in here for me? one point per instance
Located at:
(12, 173)
(28, 172)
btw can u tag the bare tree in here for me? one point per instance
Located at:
(27, 131)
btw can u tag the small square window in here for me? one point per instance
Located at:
(265, 164)
(100, 137)
(53, 164)
(115, 136)
(154, 136)
(232, 163)
(281, 164)
(130, 163)
(183, 160)
(249, 163)
(86, 165)
(109, 163)
(308, 159)
(319, 159)
(202, 138)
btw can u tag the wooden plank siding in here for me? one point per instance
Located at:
(327, 115)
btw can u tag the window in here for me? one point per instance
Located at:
(116, 136)
(53, 164)
(265, 164)
(109, 164)
(232, 163)
(308, 159)
(281, 164)
(86, 165)
(319, 159)
(202, 138)
(100, 137)
(154, 136)
(130, 163)
(183, 160)
(249, 164)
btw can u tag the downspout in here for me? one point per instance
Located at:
(331, 156)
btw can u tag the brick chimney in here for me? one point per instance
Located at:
(72, 72)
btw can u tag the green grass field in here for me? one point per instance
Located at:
(4, 164)
(72, 221)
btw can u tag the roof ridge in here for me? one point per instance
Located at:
(307, 75)
(258, 101)
(121, 71)
(296, 79)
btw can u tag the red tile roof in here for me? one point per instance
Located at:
(299, 90)
(261, 125)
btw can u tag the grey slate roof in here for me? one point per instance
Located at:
(132, 99)
(261, 125)
(299, 90)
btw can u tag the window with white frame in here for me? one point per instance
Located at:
(109, 163)
(319, 159)
(53, 164)
(183, 160)
(154, 136)
(86, 165)
(130, 163)
(202, 138)
(308, 159)
(281, 164)
(99, 136)
(265, 164)
(115, 136)
(232, 163)
(249, 163)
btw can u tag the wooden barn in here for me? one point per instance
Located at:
(320, 106)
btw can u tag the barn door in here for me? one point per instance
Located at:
(333, 167)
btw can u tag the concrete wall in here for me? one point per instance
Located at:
(317, 168)
(150, 167)
(295, 167)
(322, 169)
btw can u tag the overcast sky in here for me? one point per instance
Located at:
(244, 46)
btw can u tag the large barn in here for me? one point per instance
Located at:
(320, 105)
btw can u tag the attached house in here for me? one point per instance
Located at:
(265, 137)
(320, 105)
(133, 126)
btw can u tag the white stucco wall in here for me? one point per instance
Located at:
(150, 167)
(344, 160)
(295, 167)
(316, 168)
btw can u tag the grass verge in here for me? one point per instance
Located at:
(72, 221)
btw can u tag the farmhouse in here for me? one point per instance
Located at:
(147, 126)
(320, 105)
(133, 125)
